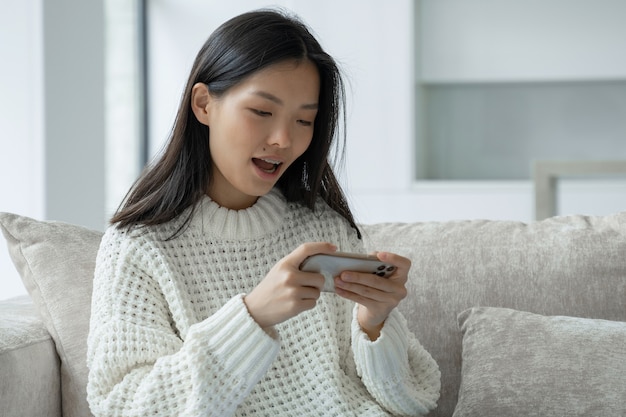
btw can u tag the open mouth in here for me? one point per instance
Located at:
(267, 165)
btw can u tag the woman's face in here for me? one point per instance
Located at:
(258, 128)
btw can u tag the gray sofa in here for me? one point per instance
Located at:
(523, 318)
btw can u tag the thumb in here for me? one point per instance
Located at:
(305, 250)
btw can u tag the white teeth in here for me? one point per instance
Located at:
(270, 161)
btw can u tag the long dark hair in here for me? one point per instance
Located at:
(238, 48)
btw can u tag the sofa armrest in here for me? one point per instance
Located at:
(29, 365)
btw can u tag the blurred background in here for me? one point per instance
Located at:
(451, 103)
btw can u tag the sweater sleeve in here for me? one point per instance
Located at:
(399, 373)
(138, 363)
(395, 368)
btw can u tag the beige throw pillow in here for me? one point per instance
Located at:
(56, 262)
(517, 363)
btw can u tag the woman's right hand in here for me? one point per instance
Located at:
(286, 291)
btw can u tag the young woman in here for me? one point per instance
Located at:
(199, 305)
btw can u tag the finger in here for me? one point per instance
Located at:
(394, 259)
(372, 286)
(402, 264)
(309, 293)
(349, 282)
(312, 280)
(350, 278)
(365, 298)
(309, 249)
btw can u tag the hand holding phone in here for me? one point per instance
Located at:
(332, 265)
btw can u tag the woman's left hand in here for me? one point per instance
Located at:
(376, 296)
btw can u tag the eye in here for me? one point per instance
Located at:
(260, 112)
(305, 122)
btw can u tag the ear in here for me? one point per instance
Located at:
(200, 100)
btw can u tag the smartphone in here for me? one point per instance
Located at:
(332, 265)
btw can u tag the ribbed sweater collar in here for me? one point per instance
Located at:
(262, 218)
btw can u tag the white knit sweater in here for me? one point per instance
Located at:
(170, 334)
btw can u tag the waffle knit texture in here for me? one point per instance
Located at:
(170, 334)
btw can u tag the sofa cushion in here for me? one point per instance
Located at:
(30, 384)
(569, 265)
(56, 262)
(522, 363)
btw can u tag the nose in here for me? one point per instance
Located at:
(280, 137)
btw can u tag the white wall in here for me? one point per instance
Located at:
(530, 40)
(51, 115)
(21, 122)
(74, 111)
(123, 109)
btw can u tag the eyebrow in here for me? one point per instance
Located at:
(273, 98)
